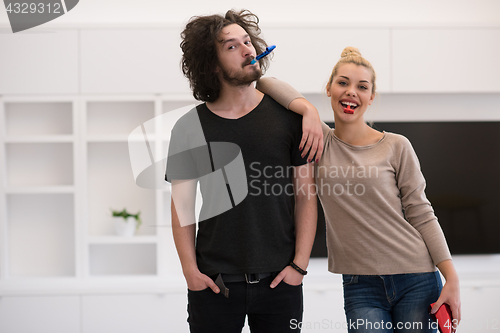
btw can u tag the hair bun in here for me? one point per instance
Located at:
(350, 51)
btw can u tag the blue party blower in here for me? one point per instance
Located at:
(268, 50)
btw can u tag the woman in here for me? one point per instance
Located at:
(382, 233)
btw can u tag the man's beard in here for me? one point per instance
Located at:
(241, 78)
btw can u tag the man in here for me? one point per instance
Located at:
(258, 220)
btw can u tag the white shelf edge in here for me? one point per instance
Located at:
(90, 98)
(179, 98)
(100, 240)
(146, 284)
(39, 189)
(78, 246)
(319, 280)
(105, 98)
(117, 138)
(40, 139)
(4, 239)
(42, 98)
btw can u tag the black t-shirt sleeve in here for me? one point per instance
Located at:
(180, 160)
(188, 152)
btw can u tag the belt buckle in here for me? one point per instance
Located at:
(249, 280)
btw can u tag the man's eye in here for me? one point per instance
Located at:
(230, 47)
(248, 42)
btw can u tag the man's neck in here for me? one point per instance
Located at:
(235, 101)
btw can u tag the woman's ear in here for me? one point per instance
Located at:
(328, 91)
(371, 99)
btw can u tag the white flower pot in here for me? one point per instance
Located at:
(124, 227)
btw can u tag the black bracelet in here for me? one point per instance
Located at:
(298, 269)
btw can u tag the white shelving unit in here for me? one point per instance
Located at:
(65, 165)
(38, 193)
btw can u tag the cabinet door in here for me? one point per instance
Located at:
(305, 57)
(47, 314)
(132, 61)
(483, 318)
(135, 313)
(446, 60)
(39, 63)
(323, 311)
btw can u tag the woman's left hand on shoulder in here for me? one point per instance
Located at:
(312, 137)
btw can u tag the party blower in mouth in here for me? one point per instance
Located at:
(268, 50)
(348, 110)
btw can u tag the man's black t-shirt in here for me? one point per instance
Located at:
(257, 234)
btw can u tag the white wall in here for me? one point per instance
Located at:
(384, 12)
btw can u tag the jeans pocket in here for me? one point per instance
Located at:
(291, 285)
(348, 279)
(198, 291)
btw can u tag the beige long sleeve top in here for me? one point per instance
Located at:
(378, 218)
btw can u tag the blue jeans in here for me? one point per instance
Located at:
(390, 303)
(269, 310)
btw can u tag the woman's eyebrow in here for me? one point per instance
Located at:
(345, 77)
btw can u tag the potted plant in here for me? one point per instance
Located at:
(126, 224)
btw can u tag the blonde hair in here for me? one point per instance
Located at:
(351, 55)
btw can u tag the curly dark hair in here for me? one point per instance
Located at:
(199, 47)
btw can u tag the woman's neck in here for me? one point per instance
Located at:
(357, 134)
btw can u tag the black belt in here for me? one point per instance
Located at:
(248, 278)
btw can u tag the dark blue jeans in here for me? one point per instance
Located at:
(390, 303)
(268, 310)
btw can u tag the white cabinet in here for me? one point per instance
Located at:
(41, 235)
(47, 314)
(480, 308)
(131, 61)
(406, 60)
(305, 57)
(134, 313)
(125, 313)
(446, 60)
(39, 163)
(65, 165)
(38, 193)
(39, 63)
(35, 118)
(110, 184)
(147, 61)
(323, 309)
